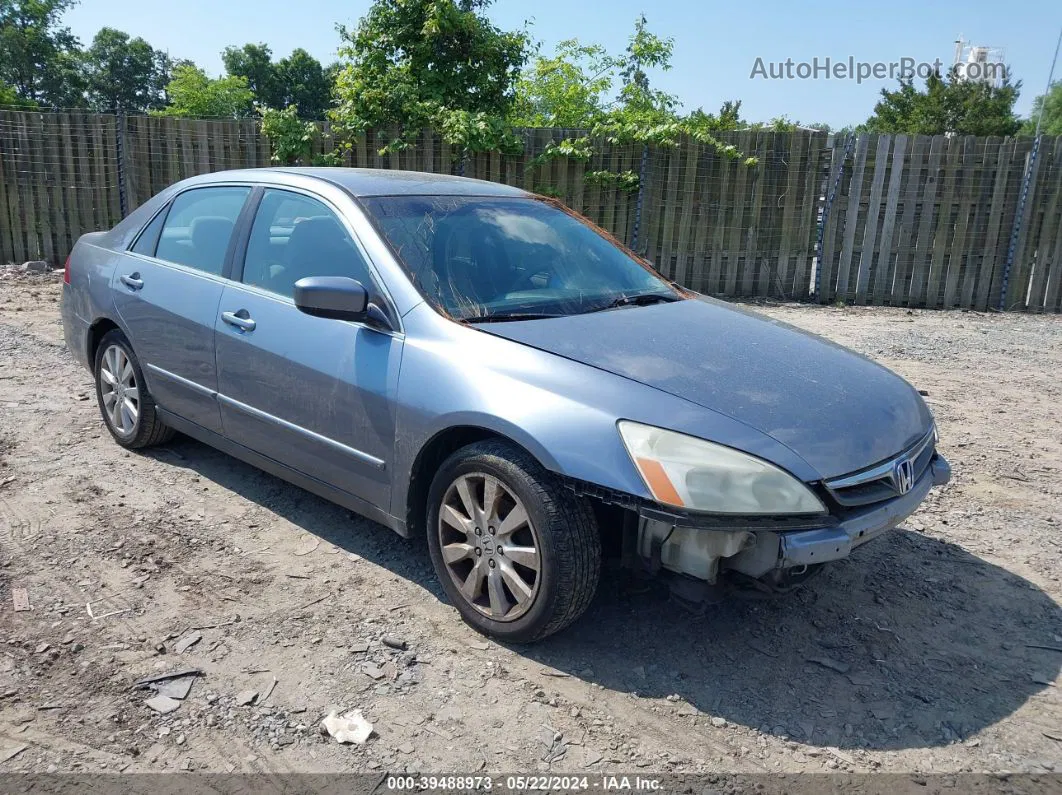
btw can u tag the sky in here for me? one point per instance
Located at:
(716, 44)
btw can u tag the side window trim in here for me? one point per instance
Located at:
(378, 286)
(226, 265)
(234, 260)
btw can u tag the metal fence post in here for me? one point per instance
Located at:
(123, 202)
(824, 216)
(1015, 232)
(638, 204)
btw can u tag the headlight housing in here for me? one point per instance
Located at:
(698, 475)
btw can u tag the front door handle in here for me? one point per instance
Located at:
(241, 320)
(132, 281)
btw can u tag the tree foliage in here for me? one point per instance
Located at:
(254, 63)
(639, 102)
(413, 64)
(38, 56)
(297, 80)
(568, 89)
(194, 94)
(305, 84)
(124, 73)
(948, 104)
(290, 137)
(571, 86)
(1048, 105)
(8, 95)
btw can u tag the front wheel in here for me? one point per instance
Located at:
(517, 553)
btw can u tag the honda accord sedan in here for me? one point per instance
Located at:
(479, 366)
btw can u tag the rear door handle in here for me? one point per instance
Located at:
(132, 281)
(240, 320)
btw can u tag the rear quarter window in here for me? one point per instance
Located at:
(149, 238)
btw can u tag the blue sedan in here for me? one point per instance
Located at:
(465, 361)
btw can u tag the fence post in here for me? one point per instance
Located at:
(123, 202)
(825, 214)
(1015, 232)
(642, 176)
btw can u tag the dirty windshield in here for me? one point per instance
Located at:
(493, 259)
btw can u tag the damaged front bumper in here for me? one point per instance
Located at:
(703, 553)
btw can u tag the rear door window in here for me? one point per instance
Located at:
(199, 227)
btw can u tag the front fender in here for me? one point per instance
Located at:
(563, 412)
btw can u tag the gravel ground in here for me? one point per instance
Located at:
(934, 649)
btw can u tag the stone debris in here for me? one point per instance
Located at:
(163, 705)
(349, 728)
(175, 688)
(20, 598)
(152, 680)
(187, 642)
(373, 671)
(246, 697)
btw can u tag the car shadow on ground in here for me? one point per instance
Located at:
(911, 643)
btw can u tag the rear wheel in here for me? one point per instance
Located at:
(127, 408)
(517, 553)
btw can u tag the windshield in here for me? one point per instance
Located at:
(482, 259)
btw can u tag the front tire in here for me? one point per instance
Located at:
(517, 553)
(125, 403)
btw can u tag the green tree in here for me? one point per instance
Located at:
(297, 80)
(254, 63)
(645, 114)
(638, 101)
(949, 104)
(8, 95)
(728, 118)
(123, 73)
(568, 89)
(414, 63)
(305, 84)
(1050, 105)
(193, 94)
(39, 57)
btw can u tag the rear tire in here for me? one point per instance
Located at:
(126, 405)
(518, 554)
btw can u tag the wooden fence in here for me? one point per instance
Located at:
(896, 220)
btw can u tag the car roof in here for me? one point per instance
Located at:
(374, 181)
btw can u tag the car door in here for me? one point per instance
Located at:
(167, 288)
(313, 393)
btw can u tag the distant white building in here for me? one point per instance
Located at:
(977, 62)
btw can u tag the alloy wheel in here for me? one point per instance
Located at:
(119, 390)
(489, 546)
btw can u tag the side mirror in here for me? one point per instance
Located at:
(335, 297)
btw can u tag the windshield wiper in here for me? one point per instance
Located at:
(505, 317)
(640, 299)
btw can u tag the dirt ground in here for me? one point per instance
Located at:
(936, 648)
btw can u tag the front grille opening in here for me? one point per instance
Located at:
(851, 491)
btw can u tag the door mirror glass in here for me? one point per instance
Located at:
(336, 297)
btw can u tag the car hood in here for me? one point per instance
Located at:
(834, 408)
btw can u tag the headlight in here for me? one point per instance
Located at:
(692, 473)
